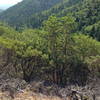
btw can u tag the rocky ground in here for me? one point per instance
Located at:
(17, 89)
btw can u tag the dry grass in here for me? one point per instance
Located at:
(26, 95)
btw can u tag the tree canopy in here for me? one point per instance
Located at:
(56, 52)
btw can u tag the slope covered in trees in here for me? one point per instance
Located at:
(86, 13)
(19, 14)
(24, 11)
(56, 9)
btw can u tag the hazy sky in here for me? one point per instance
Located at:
(4, 4)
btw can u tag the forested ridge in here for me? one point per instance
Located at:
(86, 12)
(19, 14)
(58, 43)
(25, 14)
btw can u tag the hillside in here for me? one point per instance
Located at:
(88, 14)
(19, 14)
(61, 9)
(32, 13)
(23, 13)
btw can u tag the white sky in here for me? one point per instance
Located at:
(7, 3)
